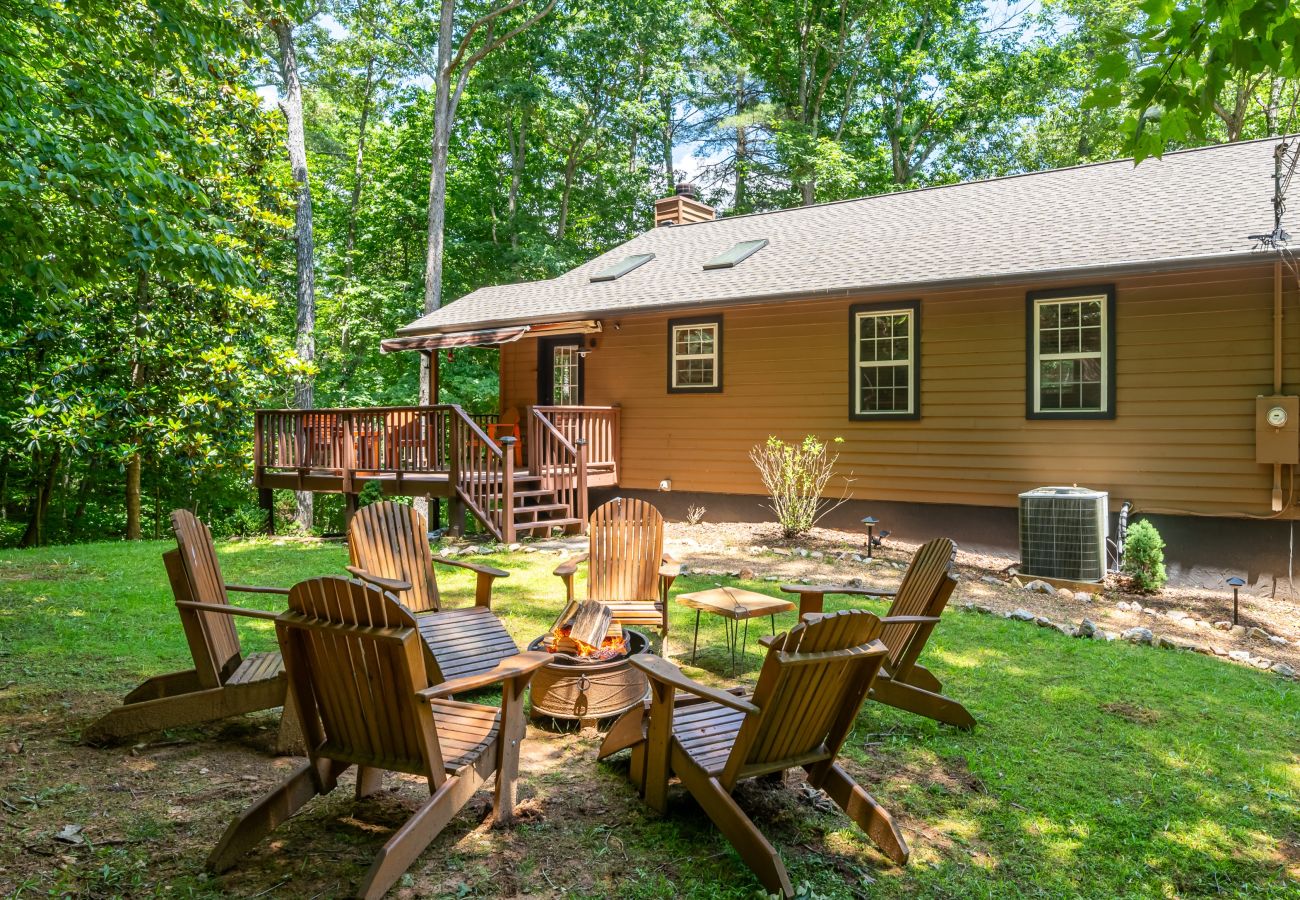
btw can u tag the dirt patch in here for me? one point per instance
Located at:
(1130, 712)
(826, 555)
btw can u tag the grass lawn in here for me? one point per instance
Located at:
(1097, 770)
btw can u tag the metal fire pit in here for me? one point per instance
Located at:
(588, 691)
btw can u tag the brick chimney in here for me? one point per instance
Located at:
(682, 208)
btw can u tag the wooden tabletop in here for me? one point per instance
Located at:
(735, 603)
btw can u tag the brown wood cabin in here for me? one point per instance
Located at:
(1106, 325)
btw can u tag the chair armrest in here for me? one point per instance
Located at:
(249, 589)
(228, 609)
(388, 584)
(836, 589)
(660, 669)
(907, 620)
(671, 560)
(670, 570)
(567, 568)
(516, 666)
(473, 567)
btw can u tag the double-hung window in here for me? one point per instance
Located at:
(885, 361)
(695, 355)
(1071, 354)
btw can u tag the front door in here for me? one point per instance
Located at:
(560, 371)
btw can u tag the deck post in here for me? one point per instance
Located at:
(508, 488)
(580, 489)
(455, 506)
(266, 500)
(349, 509)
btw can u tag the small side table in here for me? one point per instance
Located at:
(734, 605)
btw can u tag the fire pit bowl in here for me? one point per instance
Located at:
(588, 690)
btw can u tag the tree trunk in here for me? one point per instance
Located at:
(34, 535)
(133, 498)
(740, 199)
(518, 157)
(305, 342)
(670, 174)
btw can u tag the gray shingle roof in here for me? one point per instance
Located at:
(1191, 205)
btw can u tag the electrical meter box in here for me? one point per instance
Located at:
(1277, 430)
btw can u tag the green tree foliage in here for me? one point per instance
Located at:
(1144, 557)
(1189, 71)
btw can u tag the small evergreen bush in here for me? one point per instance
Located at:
(1144, 557)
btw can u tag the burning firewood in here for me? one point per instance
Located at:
(586, 630)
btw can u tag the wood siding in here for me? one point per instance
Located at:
(1193, 350)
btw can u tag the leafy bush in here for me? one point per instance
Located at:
(1144, 557)
(795, 476)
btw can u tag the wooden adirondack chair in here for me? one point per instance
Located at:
(389, 547)
(224, 682)
(357, 670)
(809, 692)
(627, 568)
(917, 604)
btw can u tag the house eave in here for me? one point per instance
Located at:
(1175, 264)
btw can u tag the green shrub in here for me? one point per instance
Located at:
(1144, 557)
(795, 476)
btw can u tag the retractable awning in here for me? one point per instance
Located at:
(484, 337)
(480, 338)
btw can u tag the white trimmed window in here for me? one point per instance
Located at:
(695, 355)
(885, 361)
(1071, 367)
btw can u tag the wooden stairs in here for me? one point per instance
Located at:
(538, 509)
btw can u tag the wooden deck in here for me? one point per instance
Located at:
(443, 452)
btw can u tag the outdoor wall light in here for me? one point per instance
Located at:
(1236, 586)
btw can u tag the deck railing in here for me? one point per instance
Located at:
(483, 474)
(559, 462)
(597, 425)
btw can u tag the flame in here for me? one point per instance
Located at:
(610, 647)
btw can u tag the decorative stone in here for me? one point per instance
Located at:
(989, 579)
(1257, 633)
(1021, 615)
(1276, 639)
(1105, 635)
(746, 574)
(780, 551)
(1284, 670)
(1044, 622)
(817, 554)
(1039, 586)
(1017, 582)
(1068, 630)
(1176, 614)
(1238, 630)
(1083, 596)
(1173, 643)
(1087, 628)
(1138, 635)
(1239, 655)
(1150, 612)
(1262, 663)
(979, 608)
(473, 550)
(1219, 651)
(855, 582)
(801, 552)
(1223, 626)
(1065, 593)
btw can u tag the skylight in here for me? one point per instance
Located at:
(736, 255)
(622, 267)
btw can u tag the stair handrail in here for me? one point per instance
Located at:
(574, 494)
(481, 482)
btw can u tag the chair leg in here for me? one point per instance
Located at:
(924, 679)
(369, 781)
(416, 833)
(627, 731)
(509, 737)
(862, 808)
(289, 741)
(922, 702)
(262, 817)
(757, 852)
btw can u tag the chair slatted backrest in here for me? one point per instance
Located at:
(355, 662)
(627, 549)
(926, 586)
(391, 540)
(213, 640)
(812, 684)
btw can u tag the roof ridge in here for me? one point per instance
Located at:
(979, 181)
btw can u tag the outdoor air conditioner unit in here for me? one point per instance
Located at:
(1063, 533)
